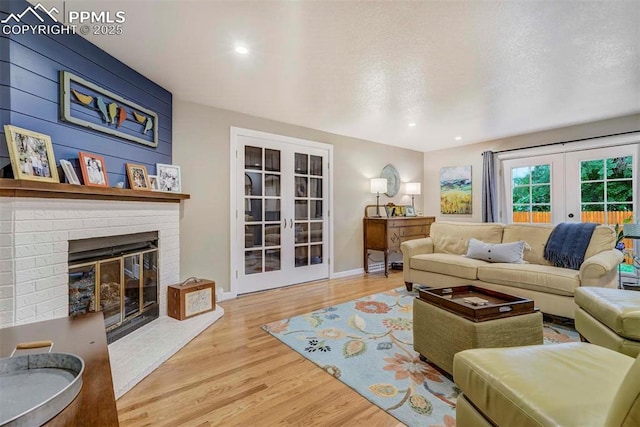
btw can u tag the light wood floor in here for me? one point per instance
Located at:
(234, 373)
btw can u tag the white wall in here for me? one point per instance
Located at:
(201, 148)
(472, 155)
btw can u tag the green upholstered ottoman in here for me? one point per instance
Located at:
(439, 334)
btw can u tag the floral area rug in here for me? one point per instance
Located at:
(368, 344)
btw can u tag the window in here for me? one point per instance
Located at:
(531, 194)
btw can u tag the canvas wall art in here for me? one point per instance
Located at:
(455, 190)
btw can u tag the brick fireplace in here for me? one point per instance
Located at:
(41, 225)
(34, 248)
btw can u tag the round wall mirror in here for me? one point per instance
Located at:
(393, 179)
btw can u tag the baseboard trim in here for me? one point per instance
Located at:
(221, 295)
(346, 273)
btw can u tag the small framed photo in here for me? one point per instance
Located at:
(169, 178)
(410, 211)
(70, 172)
(138, 177)
(31, 155)
(94, 172)
(153, 183)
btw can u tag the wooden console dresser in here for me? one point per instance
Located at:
(386, 234)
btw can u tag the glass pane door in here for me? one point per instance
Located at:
(531, 194)
(282, 210)
(308, 209)
(534, 189)
(606, 190)
(601, 186)
(262, 210)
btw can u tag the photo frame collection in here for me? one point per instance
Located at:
(32, 158)
(393, 210)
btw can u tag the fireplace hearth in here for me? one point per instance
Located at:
(117, 275)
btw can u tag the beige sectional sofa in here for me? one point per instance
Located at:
(439, 260)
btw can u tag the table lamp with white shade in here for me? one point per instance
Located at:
(378, 185)
(413, 189)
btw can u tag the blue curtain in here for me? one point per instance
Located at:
(489, 196)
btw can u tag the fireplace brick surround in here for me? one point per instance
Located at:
(34, 235)
(37, 220)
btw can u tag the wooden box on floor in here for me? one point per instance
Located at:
(190, 298)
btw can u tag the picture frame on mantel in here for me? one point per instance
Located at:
(94, 171)
(69, 172)
(138, 177)
(169, 178)
(31, 155)
(153, 183)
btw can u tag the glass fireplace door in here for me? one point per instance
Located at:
(110, 295)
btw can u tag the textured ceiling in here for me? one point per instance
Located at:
(477, 69)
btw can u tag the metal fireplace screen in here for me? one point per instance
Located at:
(120, 280)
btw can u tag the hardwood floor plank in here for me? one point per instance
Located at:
(234, 373)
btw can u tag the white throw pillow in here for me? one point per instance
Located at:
(496, 252)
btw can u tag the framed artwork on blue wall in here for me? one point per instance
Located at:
(31, 155)
(87, 104)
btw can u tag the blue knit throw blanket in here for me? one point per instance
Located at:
(568, 243)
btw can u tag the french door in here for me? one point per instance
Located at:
(282, 206)
(604, 184)
(597, 185)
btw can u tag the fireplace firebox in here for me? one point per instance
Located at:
(117, 275)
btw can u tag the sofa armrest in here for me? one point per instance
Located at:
(596, 271)
(415, 247)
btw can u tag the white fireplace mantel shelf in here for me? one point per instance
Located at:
(49, 190)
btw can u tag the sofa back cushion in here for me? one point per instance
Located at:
(536, 236)
(453, 237)
(603, 239)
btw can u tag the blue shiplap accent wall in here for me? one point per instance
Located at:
(30, 97)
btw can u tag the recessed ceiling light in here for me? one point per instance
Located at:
(458, 138)
(242, 50)
(412, 125)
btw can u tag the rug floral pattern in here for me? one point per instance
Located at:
(368, 344)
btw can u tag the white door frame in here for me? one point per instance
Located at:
(235, 132)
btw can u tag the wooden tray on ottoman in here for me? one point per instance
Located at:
(498, 306)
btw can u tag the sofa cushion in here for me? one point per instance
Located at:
(496, 252)
(536, 237)
(452, 237)
(541, 278)
(618, 309)
(450, 265)
(603, 239)
(570, 384)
